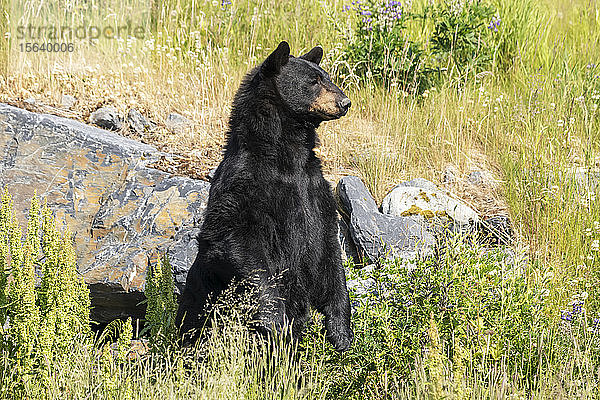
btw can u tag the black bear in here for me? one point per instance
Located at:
(271, 214)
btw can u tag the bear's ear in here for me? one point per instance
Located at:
(277, 59)
(315, 55)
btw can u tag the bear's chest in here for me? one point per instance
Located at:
(296, 209)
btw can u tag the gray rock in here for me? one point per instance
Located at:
(380, 236)
(363, 283)
(182, 254)
(450, 174)
(137, 122)
(481, 177)
(476, 177)
(178, 123)
(361, 287)
(353, 195)
(107, 118)
(121, 211)
(580, 178)
(346, 243)
(421, 197)
(211, 174)
(67, 101)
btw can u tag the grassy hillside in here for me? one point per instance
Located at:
(529, 115)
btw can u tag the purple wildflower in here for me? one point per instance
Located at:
(495, 23)
(577, 307)
(566, 316)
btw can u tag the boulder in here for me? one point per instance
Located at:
(346, 242)
(107, 118)
(381, 236)
(121, 211)
(443, 215)
(587, 179)
(482, 178)
(137, 122)
(211, 174)
(67, 101)
(450, 174)
(421, 197)
(178, 123)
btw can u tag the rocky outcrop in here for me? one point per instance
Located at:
(120, 210)
(415, 219)
(107, 118)
(178, 123)
(380, 236)
(421, 197)
(138, 123)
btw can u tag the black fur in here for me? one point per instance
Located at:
(271, 215)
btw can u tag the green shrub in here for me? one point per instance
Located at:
(463, 35)
(42, 324)
(378, 49)
(486, 308)
(161, 306)
(395, 44)
(115, 381)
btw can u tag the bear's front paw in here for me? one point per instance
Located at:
(340, 337)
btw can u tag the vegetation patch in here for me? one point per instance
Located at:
(416, 210)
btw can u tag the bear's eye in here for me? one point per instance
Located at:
(314, 81)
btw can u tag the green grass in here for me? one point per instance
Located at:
(532, 120)
(474, 326)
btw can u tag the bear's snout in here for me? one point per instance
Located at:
(331, 103)
(345, 105)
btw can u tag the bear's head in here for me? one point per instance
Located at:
(303, 86)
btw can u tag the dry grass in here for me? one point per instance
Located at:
(383, 140)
